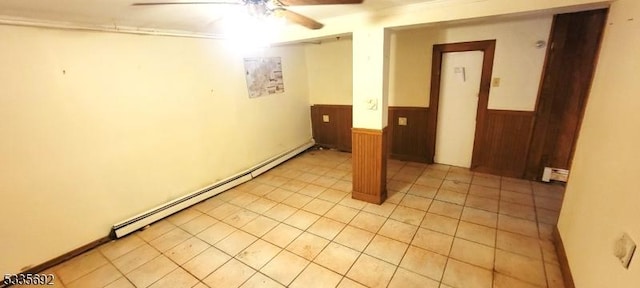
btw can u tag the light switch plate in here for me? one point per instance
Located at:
(402, 121)
(325, 118)
(624, 249)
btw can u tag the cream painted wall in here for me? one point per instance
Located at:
(517, 61)
(330, 71)
(602, 196)
(98, 127)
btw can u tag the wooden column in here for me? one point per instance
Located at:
(369, 156)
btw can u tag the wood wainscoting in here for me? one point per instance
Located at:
(409, 142)
(503, 146)
(336, 133)
(406, 142)
(369, 158)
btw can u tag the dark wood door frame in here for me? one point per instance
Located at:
(488, 47)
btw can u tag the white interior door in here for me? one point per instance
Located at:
(457, 107)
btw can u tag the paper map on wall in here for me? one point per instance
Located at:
(264, 76)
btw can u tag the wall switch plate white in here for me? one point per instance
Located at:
(325, 118)
(372, 104)
(402, 121)
(624, 249)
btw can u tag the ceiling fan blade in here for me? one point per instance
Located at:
(298, 18)
(318, 2)
(185, 3)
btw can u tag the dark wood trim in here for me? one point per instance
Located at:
(562, 259)
(408, 142)
(369, 158)
(66, 256)
(488, 47)
(337, 132)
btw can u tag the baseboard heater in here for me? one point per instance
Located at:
(139, 221)
(555, 174)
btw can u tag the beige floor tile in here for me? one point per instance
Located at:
(502, 281)
(517, 198)
(398, 231)
(198, 224)
(312, 190)
(261, 189)
(261, 205)
(354, 238)
(208, 205)
(318, 206)
(325, 181)
(301, 219)
(231, 274)
(554, 276)
(280, 212)
(400, 186)
(423, 262)
(294, 185)
(260, 226)
(223, 211)
(123, 282)
(459, 274)
(451, 197)
(517, 225)
(258, 254)
(216, 232)
(97, 278)
(445, 209)
(341, 213)
(473, 253)
(486, 180)
(242, 200)
(177, 278)
(519, 244)
(186, 250)
(170, 239)
(282, 235)
(549, 252)
(316, 276)
(371, 272)
(433, 241)
(416, 202)
(547, 216)
(326, 228)
(332, 195)
(337, 258)
(343, 185)
(307, 245)
(408, 215)
(477, 233)
(520, 267)
(155, 230)
(259, 280)
(425, 191)
(235, 242)
(486, 192)
(517, 210)
(440, 223)
(285, 267)
(394, 196)
(385, 209)
(206, 262)
(521, 186)
(482, 203)
(136, 258)
(278, 195)
(368, 221)
(386, 249)
(429, 181)
(240, 218)
(297, 200)
(480, 217)
(455, 186)
(353, 203)
(151, 271)
(348, 283)
(80, 266)
(406, 279)
(117, 248)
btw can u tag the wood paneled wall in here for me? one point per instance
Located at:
(369, 158)
(337, 132)
(503, 146)
(405, 142)
(409, 142)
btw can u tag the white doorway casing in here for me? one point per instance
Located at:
(457, 108)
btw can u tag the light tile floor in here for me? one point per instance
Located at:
(297, 226)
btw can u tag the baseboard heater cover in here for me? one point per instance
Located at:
(556, 174)
(141, 220)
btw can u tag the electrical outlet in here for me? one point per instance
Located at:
(402, 121)
(325, 118)
(624, 249)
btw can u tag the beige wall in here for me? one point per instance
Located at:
(602, 196)
(517, 61)
(98, 127)
(330, 71)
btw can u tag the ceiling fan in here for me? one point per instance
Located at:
(266, 8)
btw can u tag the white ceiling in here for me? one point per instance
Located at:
(119, 14)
